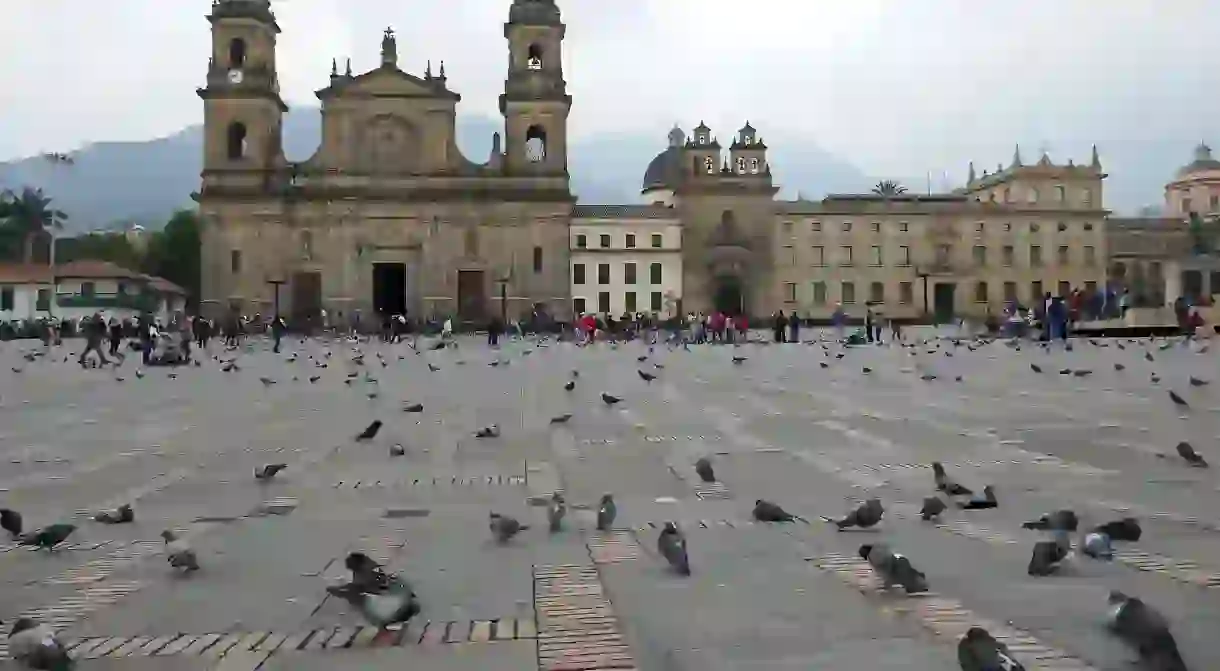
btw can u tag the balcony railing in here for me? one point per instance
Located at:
(143, 302)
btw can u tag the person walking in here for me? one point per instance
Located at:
(94, 329)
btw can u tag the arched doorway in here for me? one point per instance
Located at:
(729, 296)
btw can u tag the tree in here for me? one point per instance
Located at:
(888, 187)
(112, 247)
(30, 215)
(173, 254)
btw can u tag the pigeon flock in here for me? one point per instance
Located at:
(385, 599)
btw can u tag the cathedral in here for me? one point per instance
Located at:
(388, 216)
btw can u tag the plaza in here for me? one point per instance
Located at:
(778, 425)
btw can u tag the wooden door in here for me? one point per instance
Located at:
(472, 296)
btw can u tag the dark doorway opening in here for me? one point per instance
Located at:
(306, 299)
(729, 297)
(390, 288)
(942, 301)
(472, 296)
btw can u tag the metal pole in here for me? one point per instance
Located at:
(924, 277)
(504, 301)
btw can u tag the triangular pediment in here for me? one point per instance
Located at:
(389, 82)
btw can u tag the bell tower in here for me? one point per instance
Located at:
(535, 102)
(243, 110)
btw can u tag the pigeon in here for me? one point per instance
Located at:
(397, 603)
(932, 508)
(641, 358)
(1035, 367)
(413, 408)
(367, 575)
(1097, 545)
(893, 568)
(672, 546)
(439, 345)
(1144, 628)
(865, 516)
(370, 431)
(489, 431)
(1048, 555)
(945, 484)
(10, 521)
(983, 501)
(121, 515)
(178, 553)
(1187, 452)
(397, 450)
(561, 419)
(979, 651)
(766, 511)
(1082, 373)
(432, 368)
(866, 370)
(267, 382)
(823, 364)
(34, 646)
(1060, 520)
(647, 377)
(48, 537)
(575, 373)
(503, 528)
(738, 360)
(1119, 367)
(703, 468)
(1198, 382)
(610, 400)
(571, 384)
(556, 509)
(1127, 530)
(1177, 400)
(606, 512)
(1148, 356)
(268, 471)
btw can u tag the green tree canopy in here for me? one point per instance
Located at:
(29, 215)
(173, 254)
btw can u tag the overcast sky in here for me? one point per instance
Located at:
(895, 86)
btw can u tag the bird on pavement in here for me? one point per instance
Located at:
(503, 527)
(738, 360)
(35, 646)
(703, 468)
(570, 385)
(672, 546)
(766, 511)
(1048, 555)
(370, 431)
(647, 377)
(367, 574)
(1060, 520)
(979, 651)
(267, 472)
(1144, 628)
(396, 604)
(48, 537)
(413, 408)
(1126, 529)
(1187, 452)
(1097, 545)
(946, 484)
(10, 521)
(179, 553)
(1177, 400)
(933, 506)
(561, 419)
(1035, 367)
(610, 400)
(121, 515)
(1198, 382)
(606, 512)
(865, 516)
(893, 568)
(984, 501)
(489, 431)
(556, 509)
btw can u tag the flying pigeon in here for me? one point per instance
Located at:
(610, 400)
(1187, 452)
(489, 431)
(367, 575)
(703, 468)
(503, 528)
(933, 506)
(766, 511)
(556, 509)
(647, 377)
(34, 646)
(397, 603)
(1177, 400)
(48, 537)
(893, 568)
(268, 471)
(413, 408)
(10, 521)
(1127, 529)
(865, 516)
(606, 512)
(672, 546)
(979, 651)
(1048, 555)
(370, 431)
(433, 368)
(945, 484)
(178, 553)
(121, 515)
(570, 385)
(1035, 367)
(561, 419)
(1097, 545)
(983, 501)
(1060, 520)
(1144, 628)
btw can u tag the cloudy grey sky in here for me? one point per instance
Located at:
(896, 86)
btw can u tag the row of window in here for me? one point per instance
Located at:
(944, 255)
(1188, 204)
(307, 252)
(603, 241)
(8, 300)
(905, 227)
(1032, 195)
(819, 292)
(631, 302)
(629, 273)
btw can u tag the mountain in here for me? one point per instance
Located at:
(113, 183)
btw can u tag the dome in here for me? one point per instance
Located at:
(534, 12)
(1203, 162)
(665, 170)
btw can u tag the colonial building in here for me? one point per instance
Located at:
(83, 288)
(626, 258)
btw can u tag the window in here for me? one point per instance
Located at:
(978, 227)
(1215, 202)
(876, 226)
(817, 255)
(656, 241)
(603, 273)
(876, 292)
(630, 241)
(1007, 228)
(237, 52)
(980, 292)
(1035, 256)
(535, 144)
(578, 273)
(235, 261)
(537, 259)
(876, 255)
(578, 306)
(741, 165)
(846, 226)
(1010, 292)
(628, 273)
(789, 292)
(472, 241)
(236, 141)
(1064, 288)
(6, 299)
(1064, 256)
(1007, 195)
(944, 254)
(44, 300)
(845, 255)
(604, 241)
(904, 226)
(629, 301)
(980, 255)
(603, 301)
(533, 59)
(1061, 227)
(786, 227)
(904, 255)
(1086, 197)
(848, 293)
(815, 226)
(1088, 226)
(582, 241)
(1008, 255)
(753, 166)
(656, 301)
(709, 165)
(819, 293)
(906, 293)
(88, 289)
(1036, 293)
(1033, 195)
(654, 273)
(789, 255)
(1060, 194)
(1090, 287)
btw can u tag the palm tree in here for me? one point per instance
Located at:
(888, 187)
(30, 214)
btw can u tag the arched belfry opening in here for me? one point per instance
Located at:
(236, 141)
(533, 59)
(535, 144)
(237, 52)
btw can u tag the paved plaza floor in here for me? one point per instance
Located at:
(797, 424)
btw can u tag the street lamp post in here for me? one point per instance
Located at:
(503, 282)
